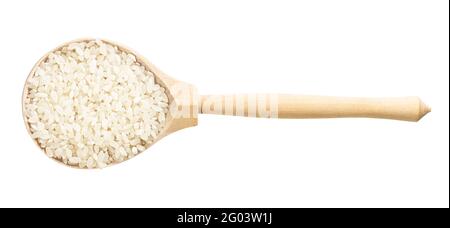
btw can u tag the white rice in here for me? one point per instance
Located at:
(90, 104)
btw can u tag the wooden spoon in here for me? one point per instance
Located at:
(185, 104)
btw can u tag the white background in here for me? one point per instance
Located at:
(348, 48)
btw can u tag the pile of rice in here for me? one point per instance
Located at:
(90, 104)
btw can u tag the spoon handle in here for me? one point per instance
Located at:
(301, 106)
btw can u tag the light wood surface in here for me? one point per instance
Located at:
(301, 106)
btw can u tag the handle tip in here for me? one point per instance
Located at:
(423, 109)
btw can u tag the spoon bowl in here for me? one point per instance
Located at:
(183, 98)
